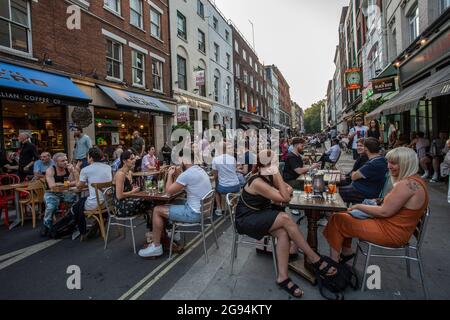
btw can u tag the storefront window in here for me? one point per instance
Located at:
(114, 127)
(45, 123)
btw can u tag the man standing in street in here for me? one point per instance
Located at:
(138, 143)
(357, 132)
(82, 145)
(28, 155)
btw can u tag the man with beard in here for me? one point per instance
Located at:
(82, 145)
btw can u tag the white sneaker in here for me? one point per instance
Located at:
(218, 212)
(322, 222)
(151, 251)
(295, 212)
(426, 175)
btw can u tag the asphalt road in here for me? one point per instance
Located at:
(32, 267)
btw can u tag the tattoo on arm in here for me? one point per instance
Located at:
(413, 185)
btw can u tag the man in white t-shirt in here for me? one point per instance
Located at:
(225, 171)
(357, 132)
(332, 155)
(95, 172)
(195, 182)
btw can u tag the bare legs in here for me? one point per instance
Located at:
(159, 217)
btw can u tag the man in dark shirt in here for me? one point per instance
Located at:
(138, 143)
(293, 167)
(28, 155)
(369, 180)
(167, 153)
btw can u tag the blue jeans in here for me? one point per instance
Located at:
(225, 190)
(52, 201)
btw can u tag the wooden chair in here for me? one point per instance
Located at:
(33, 195)
(101, 209)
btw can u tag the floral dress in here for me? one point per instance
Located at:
(129, 207)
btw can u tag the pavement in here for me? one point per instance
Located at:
(254, 279)
(38, 268)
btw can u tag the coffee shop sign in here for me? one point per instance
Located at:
(140, 101)
(28, 97)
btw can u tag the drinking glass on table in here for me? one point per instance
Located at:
(66, 183)
(308, 187)
(332, 189)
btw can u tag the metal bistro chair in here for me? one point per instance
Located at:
(206, 213)
(114, 220)
(232, 201)
(419, 234)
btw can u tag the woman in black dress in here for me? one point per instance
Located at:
(257, 217)
(126, 205)
(374, 130)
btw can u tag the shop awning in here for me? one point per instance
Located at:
(433, 86)
(21, 83)
(128, 99)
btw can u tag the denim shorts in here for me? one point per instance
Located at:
(225, 190)
(183, 213)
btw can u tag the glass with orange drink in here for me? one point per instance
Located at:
(308, 188)
(332, 189)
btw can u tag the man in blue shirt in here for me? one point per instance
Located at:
(82, 145)
(368, 181)
(41, 166)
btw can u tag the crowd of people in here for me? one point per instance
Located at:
(385, 194)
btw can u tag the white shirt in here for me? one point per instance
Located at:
(225, 165)
(360, 132)
(148, 161)
(196, 184)
(334, 152)
(95, 173)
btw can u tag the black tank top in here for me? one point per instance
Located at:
(60, 179)
(255, 201)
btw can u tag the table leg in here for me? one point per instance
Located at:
(18, 218)
(301, 266)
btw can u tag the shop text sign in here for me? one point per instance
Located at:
(183, 114)
(10, 75)
(199, 78)
(353, 78)
(29, 97)
(383, 85)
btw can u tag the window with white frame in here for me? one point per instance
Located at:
(136, 13)
(413, 21)
(228, 61)
(216, 53)
(245, 76)
(227, 35)
(245, 100)
(155, 23)
(236, 46)
(228, 93)
(113, 5)
(138, 68)
(114, 62)
(15, 27)
(244, 55)
(157, 75)
(215, 23)
(250, 61)
(182, 72)
(238, 71)
(201, 41)
(216, 88)
(181, 25)
(237, 97)
(200, 9)
(251, 81)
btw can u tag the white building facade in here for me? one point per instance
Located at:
(190, 62)
(220, 71)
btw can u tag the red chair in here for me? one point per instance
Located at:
(7, 195)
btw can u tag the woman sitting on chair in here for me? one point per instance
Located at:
(257, 218)
(393, 223)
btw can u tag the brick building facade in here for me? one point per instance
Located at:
(123, 47)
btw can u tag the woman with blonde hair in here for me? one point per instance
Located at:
(393, 222)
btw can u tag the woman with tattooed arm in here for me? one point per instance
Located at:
(392, 223)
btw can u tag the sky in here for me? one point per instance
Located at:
(298, 36)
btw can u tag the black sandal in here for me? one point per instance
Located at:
(324, 272)
(344, 259)
(285, 286)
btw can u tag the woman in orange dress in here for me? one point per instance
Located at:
(393, 223)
